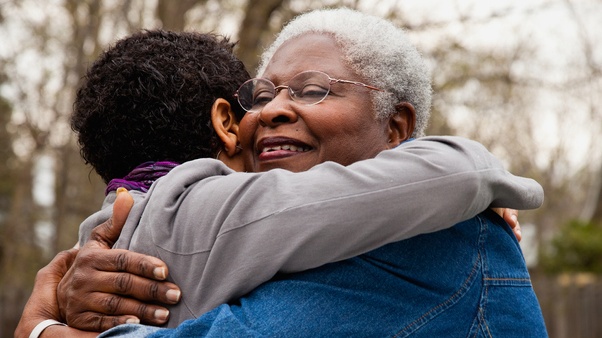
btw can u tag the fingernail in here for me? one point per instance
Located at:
(161, 314)
(120, 190)
(159, 273)
(132, 321)
(173, 295)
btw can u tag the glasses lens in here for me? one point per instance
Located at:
(309, 87)
(255, 93)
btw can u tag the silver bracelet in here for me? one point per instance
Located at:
(37, 331)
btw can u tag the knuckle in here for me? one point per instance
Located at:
(87, 322)
(110, 304)
(96, 323)
(143, 268)
(114, 322)
(98, 233)
(121, 261)
(144, 311)
(78, 280)
(123, 283)
(84, 258)
(153, 290)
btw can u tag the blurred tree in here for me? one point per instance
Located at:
(591, 79)
(597, 216)
(41, 105)
(577, 247)
(173, 13)
(255, 32)
(77, 189)
(20, 257)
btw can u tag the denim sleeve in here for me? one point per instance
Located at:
(218, 323)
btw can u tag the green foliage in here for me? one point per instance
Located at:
(576, 248)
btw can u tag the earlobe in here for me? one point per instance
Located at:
(401, 124)
(225, 126)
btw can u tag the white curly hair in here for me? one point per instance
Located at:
(376, 50)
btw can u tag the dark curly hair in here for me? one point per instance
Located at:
(149, 98)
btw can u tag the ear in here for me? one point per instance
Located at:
(401, 124)
(225, 125)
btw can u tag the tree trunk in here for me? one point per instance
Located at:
(173, 13)
(21, 257)
(254, 26)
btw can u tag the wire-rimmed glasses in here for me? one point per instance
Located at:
(309, 87)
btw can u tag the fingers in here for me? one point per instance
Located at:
(96, 322)
(517, 231)
(126, 284)
(124, 272)
(103, 311)
(499, 211)
(511, 217)
(105, 288)
(120, 260)
(111, 313)
(104, 285)
(107, 233)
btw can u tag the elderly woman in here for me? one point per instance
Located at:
(320, 100)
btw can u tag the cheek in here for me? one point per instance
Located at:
(247, 128)
(362, 139)
(350, 140)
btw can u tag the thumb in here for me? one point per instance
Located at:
(121, 209)
(107, 233)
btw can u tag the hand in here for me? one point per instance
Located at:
(42, 303)
(106, 287)
(511, 217)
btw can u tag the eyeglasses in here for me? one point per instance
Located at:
(309, 87)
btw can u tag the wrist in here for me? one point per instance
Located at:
(37, 331)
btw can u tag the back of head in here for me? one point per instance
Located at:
(376, 50)
(149, 98)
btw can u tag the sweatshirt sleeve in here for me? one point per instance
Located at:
(222, 234)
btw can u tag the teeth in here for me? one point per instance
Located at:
(285, 147)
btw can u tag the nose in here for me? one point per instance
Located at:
(278, 111)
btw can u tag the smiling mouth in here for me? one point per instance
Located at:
(285, 147)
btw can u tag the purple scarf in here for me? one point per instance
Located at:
(142, 177)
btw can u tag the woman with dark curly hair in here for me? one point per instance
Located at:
(149, 98)
(145, 106)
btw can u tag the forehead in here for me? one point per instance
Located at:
(309, 51)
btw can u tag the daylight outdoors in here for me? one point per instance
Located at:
(523, 77)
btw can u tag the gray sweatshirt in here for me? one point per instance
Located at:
(223, 233)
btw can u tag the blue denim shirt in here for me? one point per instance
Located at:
(469, 280)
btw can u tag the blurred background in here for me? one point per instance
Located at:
(522, 77)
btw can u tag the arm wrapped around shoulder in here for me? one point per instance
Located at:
(475, 166)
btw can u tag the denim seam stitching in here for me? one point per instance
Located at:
(507, 279)
(458, 294)
(475, 322)
(482, 311)
(483, 236)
